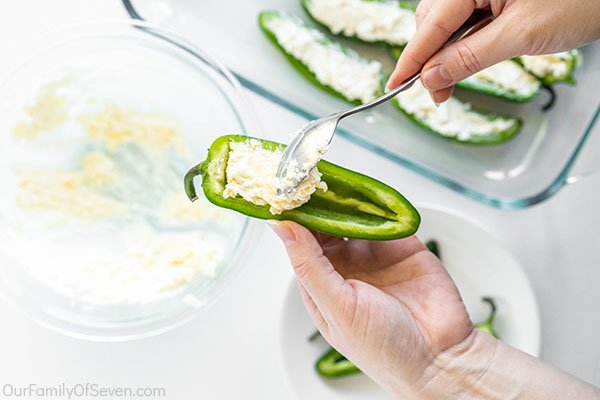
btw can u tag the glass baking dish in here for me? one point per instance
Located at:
(517, 174)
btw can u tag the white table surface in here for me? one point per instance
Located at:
(232, 351)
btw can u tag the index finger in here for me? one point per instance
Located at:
(314, 271)
(443, 18)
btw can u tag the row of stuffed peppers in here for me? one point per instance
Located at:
(479, 127)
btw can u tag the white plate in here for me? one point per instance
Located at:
(480, 266)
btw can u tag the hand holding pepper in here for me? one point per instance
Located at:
(520, 27)
(392, 309)
(389, 306)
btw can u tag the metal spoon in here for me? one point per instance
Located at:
(312, 141)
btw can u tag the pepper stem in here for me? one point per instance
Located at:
(492, 304)
(188, 181)
(488, 324)
(552, 99)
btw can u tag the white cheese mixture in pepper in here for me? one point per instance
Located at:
(370, 21)
(549, 64)
(251, 173)
(509, 75)
(355, 78)
(452, 118)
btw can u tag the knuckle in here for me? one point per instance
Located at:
(466, 60)
(535, 41)
(304, 265)
(421, 13)
(302, 268)
(412, 57)
(438, 25)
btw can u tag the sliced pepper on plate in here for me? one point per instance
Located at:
(353, 206)
(332, 364)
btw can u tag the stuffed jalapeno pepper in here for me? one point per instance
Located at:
(342, 72)
(393, 23)
(553, 68)
(239, 173)
(507, 80)
(386, 22)
(455, 120)
(332, 67)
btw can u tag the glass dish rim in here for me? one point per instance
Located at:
(504, 203)
(232, 266)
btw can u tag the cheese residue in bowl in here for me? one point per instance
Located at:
(101, 181)
(117, 126)
(152, 267)
(46, 112)
(251, 173)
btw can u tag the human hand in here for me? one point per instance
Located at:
(390, 307)
(520, 27)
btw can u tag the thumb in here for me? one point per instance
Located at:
(314, 271)
(464, 58)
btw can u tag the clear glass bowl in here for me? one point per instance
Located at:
(517, 174)
(143, 67)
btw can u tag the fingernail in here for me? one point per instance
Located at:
(282, 230)
(437, 105)
(436, 78)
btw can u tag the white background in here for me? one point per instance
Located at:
(233, 350)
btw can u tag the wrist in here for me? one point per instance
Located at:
(482, 367)
(460, 371)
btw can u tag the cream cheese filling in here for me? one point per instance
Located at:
(367, 20)
(452, 118)
(549, 64)
(348, 74)
(251, 173)
(508, 75)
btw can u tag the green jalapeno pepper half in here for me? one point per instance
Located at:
(333, 364)
(354, 205)
(401, 4)
(264, 19)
